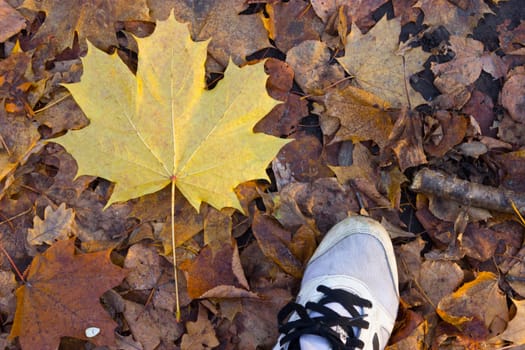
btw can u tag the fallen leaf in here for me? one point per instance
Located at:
(12, 21)
(406, 141)
(291, 23)
(143, 263)
(94, 20)
(152, 327)
(201, 333)
(216, 267)
(458, 21)
(512, 95)
(275, 244)
(149, 143)
(302, 160)
(311, 62)
(477, 301)
(439, 278)
(361, 114)
(378, 65)
(232, 34)
(57, 225)
(452, 129)
(464, 69)
(512, 40)
(61, 297)
(515, 331)
(358, 8)
(256, 324)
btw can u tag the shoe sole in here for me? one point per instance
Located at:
(360, 225)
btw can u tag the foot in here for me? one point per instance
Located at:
(349, 293)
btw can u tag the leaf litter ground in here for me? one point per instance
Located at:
(243, 266)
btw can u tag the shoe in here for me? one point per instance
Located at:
(349, 293)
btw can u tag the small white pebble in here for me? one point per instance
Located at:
(92, 332)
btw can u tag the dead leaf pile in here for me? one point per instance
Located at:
(251, 128)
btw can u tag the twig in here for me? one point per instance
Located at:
(20, 275)
(468, 193)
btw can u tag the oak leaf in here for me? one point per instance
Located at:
(380, 66)
(61, 297)
(56, 225)
(162, 125)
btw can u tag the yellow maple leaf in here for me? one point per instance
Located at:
(379, 66)
(163, 126)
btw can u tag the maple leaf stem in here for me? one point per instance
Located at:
(175, 275)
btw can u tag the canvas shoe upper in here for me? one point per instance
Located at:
(349, 293)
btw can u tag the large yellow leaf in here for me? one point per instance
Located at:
(162, 125)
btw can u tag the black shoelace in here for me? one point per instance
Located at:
(335, 328)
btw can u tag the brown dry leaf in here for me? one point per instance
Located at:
(363, 175)
(256, 325)
(477, 301)
(439, 278)
(216, 272)
(406, 141)
(233, 35)
(514, 170)
(515, 331)
(381, 66)
(456, 20)
(301, 160)
(8, 285)
(513, 94)
(512, 41)
(155, 207)
(275, 244)
(12, 21)
(410, 331)
(448, 130)
(143, 264)
(152, 327)
(516, 274)
(291, 23)
(201, 333)
(361, 114)
(57, 225)
(359, 10)
(311, 62)
(280, 80)
(59, 117)
(217, 225)
(61, 297)
(480, 107)
(284, 119)
(464, 69)
(94, 20)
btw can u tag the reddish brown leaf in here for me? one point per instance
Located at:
(217, 268)
(12, 21)
(274, 242)
(291, 23)
(513, 95)
(61, 297)
(201, 334)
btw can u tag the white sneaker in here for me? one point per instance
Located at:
(349, 293)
